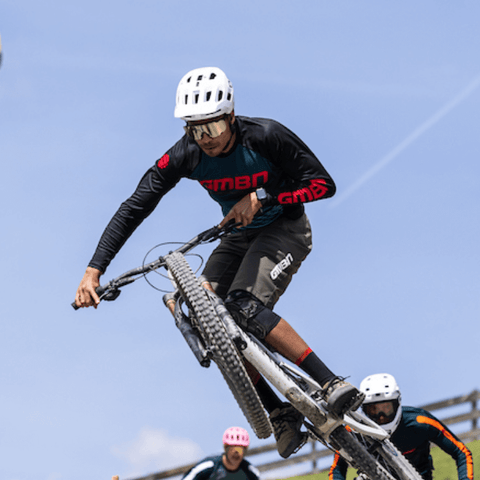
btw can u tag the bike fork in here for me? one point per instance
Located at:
(183, 324)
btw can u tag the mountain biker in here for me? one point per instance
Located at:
(261, 174)
(411, 429)
(230, 465)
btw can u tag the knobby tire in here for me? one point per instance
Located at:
(357, 455)
(381, 461)
(394, 461)
(225, 353)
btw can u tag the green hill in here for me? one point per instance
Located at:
(445, 468)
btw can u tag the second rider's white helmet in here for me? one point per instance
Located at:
(382, 387)
(204, 93)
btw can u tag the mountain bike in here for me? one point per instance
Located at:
(212, 335)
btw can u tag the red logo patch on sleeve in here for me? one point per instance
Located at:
(163, 162)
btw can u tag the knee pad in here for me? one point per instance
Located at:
(251, 314)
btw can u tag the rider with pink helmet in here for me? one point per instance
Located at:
(236, 436)
(231, 464)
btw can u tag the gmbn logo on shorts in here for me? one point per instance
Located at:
(281, 266)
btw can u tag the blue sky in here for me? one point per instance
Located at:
(386, 94)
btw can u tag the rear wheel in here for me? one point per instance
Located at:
(224, 352)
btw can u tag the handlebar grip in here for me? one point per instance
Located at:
(99, 290)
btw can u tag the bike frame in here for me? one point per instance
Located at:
(286, 379)
(283, 376)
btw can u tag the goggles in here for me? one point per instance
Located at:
(212, 129)
(376, 411)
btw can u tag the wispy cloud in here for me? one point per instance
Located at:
(155, 450)
(418, 132)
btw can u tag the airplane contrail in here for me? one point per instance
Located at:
(460, 97)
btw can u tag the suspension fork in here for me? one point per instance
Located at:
(173, 302)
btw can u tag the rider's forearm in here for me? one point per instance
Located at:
(308, 192)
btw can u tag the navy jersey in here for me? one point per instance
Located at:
(417, 428)
(212, 468)
(265, 154)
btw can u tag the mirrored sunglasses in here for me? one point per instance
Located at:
(212, 129)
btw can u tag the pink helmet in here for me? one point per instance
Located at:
(236, 436)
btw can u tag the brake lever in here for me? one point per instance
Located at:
(231, 225)
(111, 295)
(225, 230)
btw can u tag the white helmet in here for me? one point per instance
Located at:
(204, 93)
(382, 387)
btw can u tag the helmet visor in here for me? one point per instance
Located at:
(381, 412)
(212, 129)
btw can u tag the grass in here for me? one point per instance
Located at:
(445, 467)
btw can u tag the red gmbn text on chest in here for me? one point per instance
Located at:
(241, 182)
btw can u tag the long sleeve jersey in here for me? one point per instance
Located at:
(417, 428)
(212, 468)
(265, 154)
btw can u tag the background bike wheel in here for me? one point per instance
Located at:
(357, 455)
(225, 354)
(394, 461)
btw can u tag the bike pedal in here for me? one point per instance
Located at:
(303, 442)
(355, 403)
(350, 406)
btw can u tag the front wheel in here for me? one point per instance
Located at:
(225, 354)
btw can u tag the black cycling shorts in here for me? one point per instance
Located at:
(261, 261)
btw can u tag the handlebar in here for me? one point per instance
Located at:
(111, 290)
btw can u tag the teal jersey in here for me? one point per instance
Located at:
(220, 177)
(212, 468)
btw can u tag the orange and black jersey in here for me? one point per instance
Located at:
(265, 154)
(412, 437)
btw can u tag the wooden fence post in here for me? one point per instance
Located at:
(474, 409)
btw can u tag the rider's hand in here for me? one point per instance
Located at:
(86, 295)
(243, 211)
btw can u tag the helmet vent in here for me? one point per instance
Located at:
(209, 94)
(220, 95)
(212, 76)
(196, 98)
